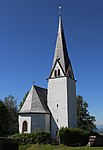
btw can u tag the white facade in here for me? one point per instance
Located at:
(72, 105)
(57, 103)
(40, 121)
(26, 118)
(34, 122)
(62, 103)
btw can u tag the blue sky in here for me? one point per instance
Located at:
(28, 30)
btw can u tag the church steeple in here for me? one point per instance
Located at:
(62, 86)
(61, 54)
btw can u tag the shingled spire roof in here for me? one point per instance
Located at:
(36, 101)
(61, 53)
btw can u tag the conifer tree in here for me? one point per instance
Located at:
(85, 120)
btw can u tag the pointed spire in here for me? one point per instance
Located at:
(61, 49)
(61, 53)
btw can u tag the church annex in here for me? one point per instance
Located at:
(55, 107)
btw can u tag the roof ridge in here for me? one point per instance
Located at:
(32, 95)
(40, 87)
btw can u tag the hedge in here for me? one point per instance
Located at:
(73, 136)
(37, 137)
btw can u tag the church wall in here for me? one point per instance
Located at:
(57, 102)
(40, 121)
(72, 111)
(34, 122)
(47, 122)
(27, 118)
(54, 127)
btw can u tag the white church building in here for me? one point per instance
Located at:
(55, 107)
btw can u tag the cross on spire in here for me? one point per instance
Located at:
(33, 82)
(60, 7)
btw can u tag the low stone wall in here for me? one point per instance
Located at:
(8, 144)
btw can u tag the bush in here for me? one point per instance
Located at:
(37, 137)
(73, 136)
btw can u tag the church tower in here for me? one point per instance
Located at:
(62, 87)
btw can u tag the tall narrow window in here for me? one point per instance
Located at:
(55, 73)
(58, 72)
(24, 127)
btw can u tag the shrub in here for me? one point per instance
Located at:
(73, 136)
(37, 137)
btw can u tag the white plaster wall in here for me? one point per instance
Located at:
(57, 94)
(47, 122)
(35, 121)
(54, 127)
(72, 111)
(26, 118)
(40, 121)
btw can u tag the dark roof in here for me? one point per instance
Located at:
(61, 52)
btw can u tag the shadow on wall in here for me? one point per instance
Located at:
(54, 128)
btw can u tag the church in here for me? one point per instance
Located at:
(55, 107)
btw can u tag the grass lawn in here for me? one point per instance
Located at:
(58, 147)
(24, 147)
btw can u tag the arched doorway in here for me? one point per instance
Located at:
(24, 127)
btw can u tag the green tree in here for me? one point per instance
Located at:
(22, 102)
(11, 105)
(4, 119)
(85, 120)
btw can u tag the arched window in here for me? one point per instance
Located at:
(24, 127)
(58, 72)
(55, 73)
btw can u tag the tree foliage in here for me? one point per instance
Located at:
(73, 136)
(4, 119)
(8, 116)
(37, 137)
(11, 105)
(85, 120)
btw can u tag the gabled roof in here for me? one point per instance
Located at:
(57, 61)
(61, 52)
(36, 101)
